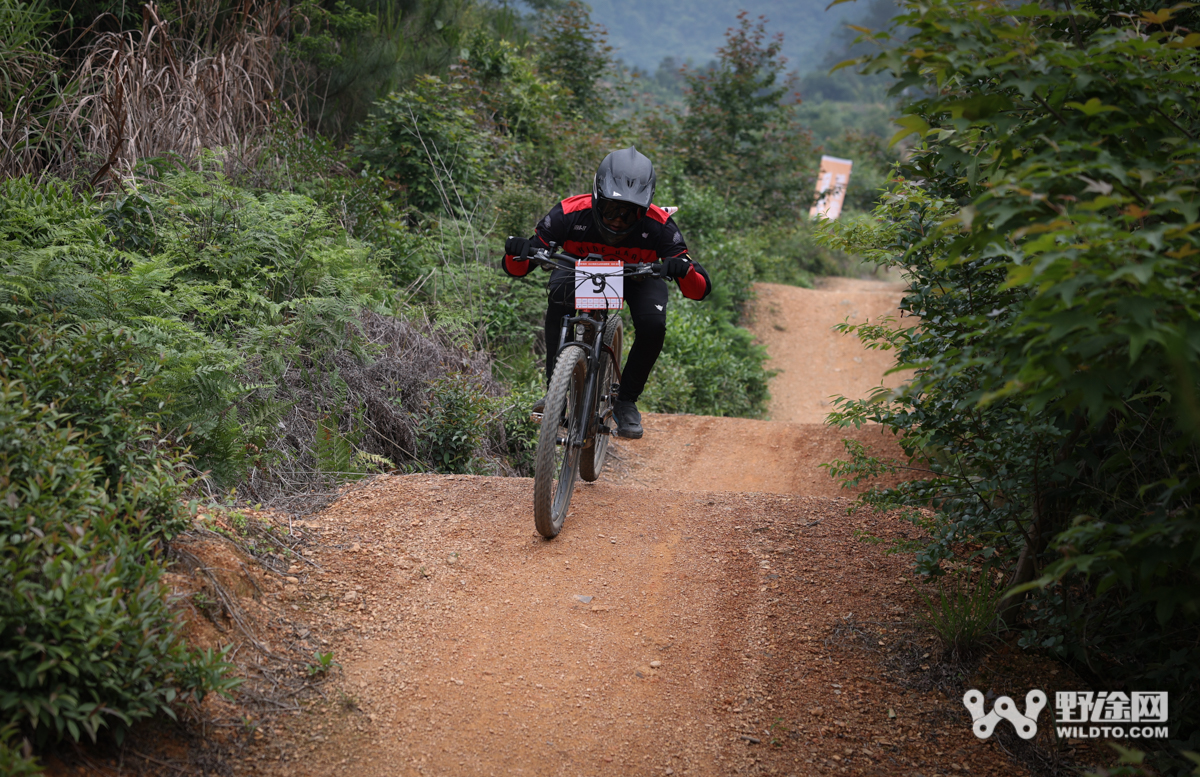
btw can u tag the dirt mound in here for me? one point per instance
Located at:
(663, 632)
(813, 363)
(710, 607)
(699, 453)
(694, 617)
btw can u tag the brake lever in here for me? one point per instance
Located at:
(543, 258)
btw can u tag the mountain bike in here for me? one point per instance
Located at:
(577, 421)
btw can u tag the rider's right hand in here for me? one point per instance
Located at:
(676, 267)
(519, 247)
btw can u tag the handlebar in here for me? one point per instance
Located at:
(559, 261)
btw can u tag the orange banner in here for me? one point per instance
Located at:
(831, 187)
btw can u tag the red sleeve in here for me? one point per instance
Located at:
(517, 268)
(696, 284)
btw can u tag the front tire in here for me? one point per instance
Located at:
(557, 465)
(593, 458)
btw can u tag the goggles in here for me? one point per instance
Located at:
(611, 210)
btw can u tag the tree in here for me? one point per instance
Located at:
(1047, 226)
(575, 52)
(738, 135)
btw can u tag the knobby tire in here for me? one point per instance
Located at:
(557, 466)
(592, 459)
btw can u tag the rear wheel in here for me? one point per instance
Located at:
(593, 458)
(557, 463)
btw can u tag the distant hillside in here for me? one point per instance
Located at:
(644, 33)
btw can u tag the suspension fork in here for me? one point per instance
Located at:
(587, 429)
(594, 389)
(616, 357)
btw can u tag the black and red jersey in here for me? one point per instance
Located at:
(571, 227)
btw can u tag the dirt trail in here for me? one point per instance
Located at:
(813, 364)
(700, 613)
(699, 453)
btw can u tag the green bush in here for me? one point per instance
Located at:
(430, 141)
(669, 389)
(364, 206)
(962, 611)
(13, 761)
(509, 311)
(548, 122)
(518, 209)
(1045, 222)
(573, 51)
(225, 283)
(738, 135)
(334, 451)
(523, 105)
(709, 366)
(520, 432)
(91, 490)
(455, 423)
(705, 213)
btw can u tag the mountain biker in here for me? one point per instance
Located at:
(618, 221)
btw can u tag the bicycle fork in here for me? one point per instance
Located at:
(594, 357)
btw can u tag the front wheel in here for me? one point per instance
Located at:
(593, 458)
(557, 463)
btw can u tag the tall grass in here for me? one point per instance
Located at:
(137, 94)
(158, 92)
(29, 92)
(962, 611)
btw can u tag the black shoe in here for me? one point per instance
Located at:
(629, 420)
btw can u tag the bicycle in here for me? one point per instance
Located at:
(583, 386)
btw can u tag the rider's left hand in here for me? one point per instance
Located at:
(520, 247)
(676, 268)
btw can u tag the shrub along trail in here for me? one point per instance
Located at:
(705, 611)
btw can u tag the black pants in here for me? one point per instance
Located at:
(647, 301)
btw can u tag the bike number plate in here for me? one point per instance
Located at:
(599, 285)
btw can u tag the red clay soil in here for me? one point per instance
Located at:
(663, 632)
(814, 363)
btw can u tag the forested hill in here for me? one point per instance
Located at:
(644, 33)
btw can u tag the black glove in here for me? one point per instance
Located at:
(520, 247)
(676, 268)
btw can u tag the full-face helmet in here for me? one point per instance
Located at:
(622, 192)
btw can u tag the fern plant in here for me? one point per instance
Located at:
(334, 452)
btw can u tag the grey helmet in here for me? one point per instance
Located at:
(624, 177)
